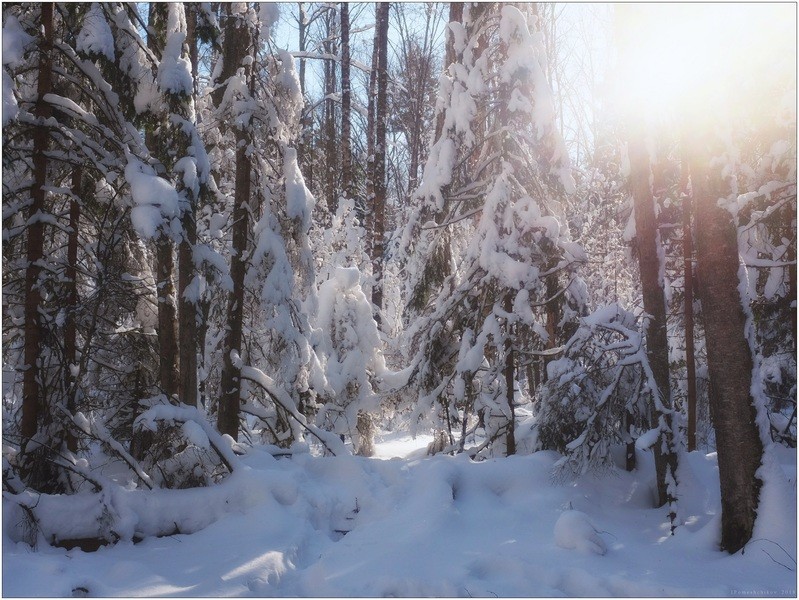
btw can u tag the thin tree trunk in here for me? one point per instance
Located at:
(347, 183)
(331, 151)
(379, 205)
(688, 302)
(305, 121)
(70, 328)
(729, 357)
(191, 40)
(369, 209)
(553, 312)
(187, 311)
(32, 397)
(510, 368)
(657, 348)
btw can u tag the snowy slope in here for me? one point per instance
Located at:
(441, 526)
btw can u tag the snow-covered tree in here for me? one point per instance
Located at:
(497, 170)
(349, 347)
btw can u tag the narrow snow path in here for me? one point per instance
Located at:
(440, 526)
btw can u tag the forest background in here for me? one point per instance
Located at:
(290, 226)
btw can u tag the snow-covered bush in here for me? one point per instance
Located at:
(596, 395)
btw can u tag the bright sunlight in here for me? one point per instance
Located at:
(684, 57)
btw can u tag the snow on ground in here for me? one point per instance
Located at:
(435, 526)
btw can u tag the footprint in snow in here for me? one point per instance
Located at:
(574, 531)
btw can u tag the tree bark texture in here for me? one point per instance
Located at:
(167, 317)
(187, 311)
(32, 396)
(369, 208)
(169, 379)
(729, 357)
(688, 302)
(379, 205)
(236, 45)
(70, 328)
(657, 345)
(347, 180)
(331, 153)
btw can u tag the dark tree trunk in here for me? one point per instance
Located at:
(657, 348)
(236, 45)
(303, 142)
(369, 209)
(331, 151)
(32, 396)
(688, 302)
(379, 205)
(167, 317)
(729, 357)
(187, 310)
(191, 40)
(70, 329)
(347, 180)
(169, 379)
(228, 419)
(553, 315)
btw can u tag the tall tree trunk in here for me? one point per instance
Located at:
(688, 300)
(369, 209)
(729, 356)
(169, 379)
(657, 348)
(236, 45)
(32, 397)
(305, 120)
(187, 310)
(379, 205)
(70, 328)
(347, 180)
(331, 151)
(303, 27)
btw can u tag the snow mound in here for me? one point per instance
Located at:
(441, 526)
(574, 531)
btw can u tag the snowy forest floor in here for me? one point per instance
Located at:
(434, 526)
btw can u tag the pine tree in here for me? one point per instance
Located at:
(498, 164)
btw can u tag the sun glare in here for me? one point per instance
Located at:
(679, 57)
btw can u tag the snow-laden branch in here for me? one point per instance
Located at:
(331, 442)
(184, 413)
